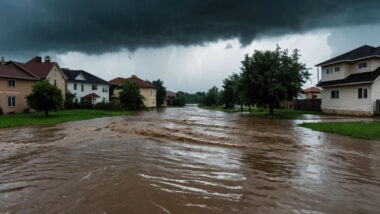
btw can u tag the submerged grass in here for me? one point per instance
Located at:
(38, 118)
(363, 130)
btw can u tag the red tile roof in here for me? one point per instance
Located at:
(141, 83)
(13, 70)
(90, 96)
(312, 90)
(170, 94)
(37, 67)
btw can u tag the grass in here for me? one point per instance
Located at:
(264, 112)
(363, 130)
(38, 118)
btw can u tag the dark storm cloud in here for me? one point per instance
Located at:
(96, 26)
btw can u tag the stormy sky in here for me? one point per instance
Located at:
(190, 44)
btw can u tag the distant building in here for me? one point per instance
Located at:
(170, 98)
(147, 90)
(309, 93)
(351, 83)
(86, 86)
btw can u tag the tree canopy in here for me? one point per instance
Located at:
(272, 76)
(161, 92)
(45, 97)
(130, 96)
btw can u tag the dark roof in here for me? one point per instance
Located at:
(90, 79)
(13, 70)
(37, 67)
(170, 94)
(366, 77)
(362, 52)
(141, 83)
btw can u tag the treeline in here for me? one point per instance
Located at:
(266, 78)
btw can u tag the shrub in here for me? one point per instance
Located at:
(26, 110)
(1, 111)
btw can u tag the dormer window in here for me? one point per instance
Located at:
(337, 69)
(329, 71)
(362, 65)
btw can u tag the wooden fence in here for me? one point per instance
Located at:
(308, 105)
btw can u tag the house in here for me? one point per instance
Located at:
(147, 90)
(169, 98)
(350, 82)
(15, 84)
(309, 93)
(46, 70)
(86, 86)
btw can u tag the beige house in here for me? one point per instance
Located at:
(147, 90)
(15, 84)
(47, 70)
(350, 82)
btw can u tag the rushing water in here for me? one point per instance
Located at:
(186, 160)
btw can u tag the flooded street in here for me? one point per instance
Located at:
(186, 160)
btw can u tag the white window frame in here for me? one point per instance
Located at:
(12, 101)
(329, 71)
(11, 85)
(337, 69)
(362, 65)
(336, 94)
(362, 92)
(105, 89)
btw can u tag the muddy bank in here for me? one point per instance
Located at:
(186, 160)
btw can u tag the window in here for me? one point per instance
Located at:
(82, 87)
(75, 86)
(105, 89)
(11, 101)
(104, 100)
(329, 71)
(94, 87)
(11, 83)
(55, 82)
(335, 94)
(76, 100)
(337, 69)
(362, 93)
(362, 65)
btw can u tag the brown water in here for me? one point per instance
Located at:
(186, 160)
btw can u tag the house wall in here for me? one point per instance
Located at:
(87, 89)
(22, 89)
(150, 96)
(348, 102)
(310, 96)
(349, 68)
(375, 92)
(57, 74)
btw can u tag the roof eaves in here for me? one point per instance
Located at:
(348, 60)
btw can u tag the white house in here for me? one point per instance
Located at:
(351, 83)
(86, 86)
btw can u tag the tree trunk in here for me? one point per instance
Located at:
(46, 113)
(249, 107)
(271, 107)
(241, 107)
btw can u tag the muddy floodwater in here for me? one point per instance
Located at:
(186, 160)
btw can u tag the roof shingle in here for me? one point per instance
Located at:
(90, 78)
(141, 83)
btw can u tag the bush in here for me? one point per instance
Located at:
(1, 111)
(109, 106)
(130, 96)
(26, 110)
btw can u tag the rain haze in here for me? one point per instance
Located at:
(190, 45)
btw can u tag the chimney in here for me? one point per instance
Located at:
(2, 60)
(47, 59)
(38, 59)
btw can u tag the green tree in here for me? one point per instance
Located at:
(161, 92)
(180, 99)
(130, 96)
(272, 76)
(212, 97)
(45, 97)
(69, 100)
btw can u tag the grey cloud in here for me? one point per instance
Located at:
(98, 26)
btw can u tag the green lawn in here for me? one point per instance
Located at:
(264, 112)
(364, 130)
(38, 118)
